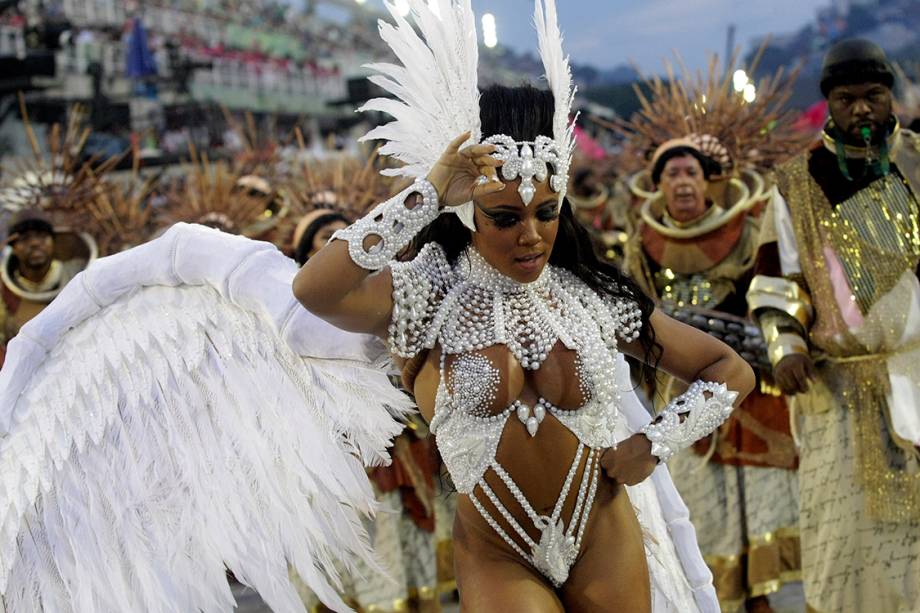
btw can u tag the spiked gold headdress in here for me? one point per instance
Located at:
(60, 184)
(212, 194)
(746, 133)
(122, 212)
(344, 184)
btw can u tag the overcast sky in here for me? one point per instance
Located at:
(607, 33)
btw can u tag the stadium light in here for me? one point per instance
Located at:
(750, 93)
(360, 1)
(402, 7)
(489, 31)
(740, 80)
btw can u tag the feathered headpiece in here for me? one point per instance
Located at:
(61, 184)
(121, 213)
(343, 184)
(216, 195)
(437, 96)
(735, 132)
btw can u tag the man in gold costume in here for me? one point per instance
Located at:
(694, 252)
(838, 299)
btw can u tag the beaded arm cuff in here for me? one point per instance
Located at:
(703, 415)
(393, 223)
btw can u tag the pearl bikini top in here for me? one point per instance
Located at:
(471, 307)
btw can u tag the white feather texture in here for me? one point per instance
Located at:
(175, 412)
(435, 83)
(559, 77)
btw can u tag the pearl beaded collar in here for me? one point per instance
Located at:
(470, 307)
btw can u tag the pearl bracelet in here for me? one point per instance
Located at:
(393, 223)
(703, 415)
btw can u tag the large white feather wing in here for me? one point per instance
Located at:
(175, 411)
(435, 84)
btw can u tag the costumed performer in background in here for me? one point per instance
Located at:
(838, 299)
(697, 228)
(696, 259)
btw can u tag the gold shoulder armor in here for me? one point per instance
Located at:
(781, 294)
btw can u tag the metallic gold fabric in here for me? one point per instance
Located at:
(774, 559)
(445, 565)
(892, 493)
(876, 234)
(691, 290)
(786, 344)
(892, 490)
(783, 295)
(728, 579)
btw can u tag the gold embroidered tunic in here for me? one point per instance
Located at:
(854, 248)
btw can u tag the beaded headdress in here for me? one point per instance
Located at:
(437, 96)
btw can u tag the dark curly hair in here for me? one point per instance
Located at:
(524, 113)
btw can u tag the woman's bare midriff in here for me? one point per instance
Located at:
(611, 565)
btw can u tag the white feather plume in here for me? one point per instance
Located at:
(175, 412)
(435, 83)
(558, 75)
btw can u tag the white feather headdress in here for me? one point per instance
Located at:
(436, 93)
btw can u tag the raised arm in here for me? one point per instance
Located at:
(348, 283)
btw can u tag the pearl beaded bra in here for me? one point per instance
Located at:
(472, 307)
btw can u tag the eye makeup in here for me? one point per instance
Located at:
(506, 218)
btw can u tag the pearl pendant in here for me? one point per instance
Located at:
(532, 426)
(531, 418)
(523, 413)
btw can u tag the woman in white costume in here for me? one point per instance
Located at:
(511, 331)
(175, 413)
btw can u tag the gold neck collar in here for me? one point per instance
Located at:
(590, 202)
(51, 280)
(713, 210)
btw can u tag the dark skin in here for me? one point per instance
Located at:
(35, 251)
(852, 107)
(517, 240)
